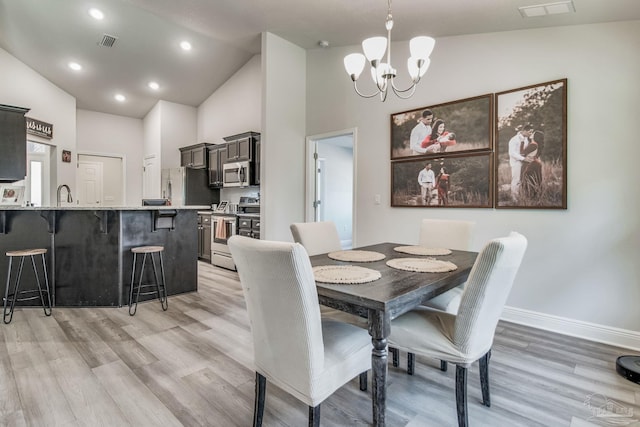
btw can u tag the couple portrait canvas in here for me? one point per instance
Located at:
(531, 147)
(454, 127)
(461, 181)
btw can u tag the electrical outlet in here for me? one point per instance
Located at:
(376, 199)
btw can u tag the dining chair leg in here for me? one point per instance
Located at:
(444, 365)
(484, 379)
(258, 409)
(411, 363)
(363, 381)
(461, 396)
(314, 416)
(395, 353)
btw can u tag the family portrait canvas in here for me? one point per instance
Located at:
(454, 127)
(456, 181)
(531, 147)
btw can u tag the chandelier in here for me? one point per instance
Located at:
(382, 73)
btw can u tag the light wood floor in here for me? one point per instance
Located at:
(191, 366)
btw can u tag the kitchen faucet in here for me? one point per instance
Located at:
(69, 198)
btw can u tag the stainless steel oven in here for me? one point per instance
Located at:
(223, 227)
(236, 174)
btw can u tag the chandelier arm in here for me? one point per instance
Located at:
(400, 92)
(412, 87)
(355, 86)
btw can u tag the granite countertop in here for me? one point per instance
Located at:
(101, 208)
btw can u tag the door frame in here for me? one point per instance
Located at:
(122, 157)
(311, 142)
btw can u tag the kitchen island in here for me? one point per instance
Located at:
(89, 248)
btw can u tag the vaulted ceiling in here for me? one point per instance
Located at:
(48, 34)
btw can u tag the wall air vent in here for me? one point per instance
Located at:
(107, 41)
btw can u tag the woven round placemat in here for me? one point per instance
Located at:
(345, 274)
(422, 265)
(356, 256)
(422, 250)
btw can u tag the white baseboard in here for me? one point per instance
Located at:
(575, 328)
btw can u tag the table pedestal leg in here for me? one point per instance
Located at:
(379, 325)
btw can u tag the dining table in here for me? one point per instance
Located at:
(380, 301)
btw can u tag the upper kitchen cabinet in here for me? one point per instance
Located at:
(13, 143)
(241, 146)
(217, 158)
(194, 156)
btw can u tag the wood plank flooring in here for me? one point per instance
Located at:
(191, 366)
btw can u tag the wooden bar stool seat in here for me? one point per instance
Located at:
(16, 294)
(157, 287)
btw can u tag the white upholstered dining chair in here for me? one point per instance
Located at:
(468, 336)
(304, 355)
(316, 237)
(319, 238)
(449, 234)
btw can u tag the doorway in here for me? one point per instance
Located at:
(93, 189)
(38, 181)
(330, 181)
(150, 175)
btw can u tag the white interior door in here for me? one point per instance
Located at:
(150, 178)
(90, 184)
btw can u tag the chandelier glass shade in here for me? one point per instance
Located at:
(382, 73)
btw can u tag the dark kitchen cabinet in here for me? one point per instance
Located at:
(242, 146)
(256, 160)
(204, 237)
(249, 225)
(13, 143)
(194, 156)
(217, 158)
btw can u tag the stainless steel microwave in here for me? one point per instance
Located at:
(236, 174)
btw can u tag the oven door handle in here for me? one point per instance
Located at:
(233, 226)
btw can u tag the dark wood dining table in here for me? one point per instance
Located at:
(380, 301)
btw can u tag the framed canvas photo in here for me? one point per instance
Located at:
(11, 195)
(531, 147)
(453, 127)
(460, 181)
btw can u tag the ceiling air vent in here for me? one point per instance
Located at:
(107, 40)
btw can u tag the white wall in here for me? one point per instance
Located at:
(283, 136)
(235, 107)
(582, 263)
(177, 129)
(23, 87)
(118, 136)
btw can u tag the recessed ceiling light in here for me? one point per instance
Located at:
(154, 85)
(120, 97)
(75, 66)
(185, 45)
(96, 13)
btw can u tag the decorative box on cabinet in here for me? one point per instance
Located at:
(13, 143)
(194, 156)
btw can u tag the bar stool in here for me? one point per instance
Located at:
(160, 288)
(17, 294)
